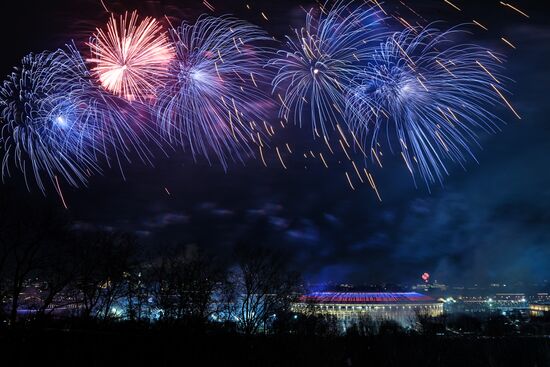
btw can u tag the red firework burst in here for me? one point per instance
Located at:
(131, 57)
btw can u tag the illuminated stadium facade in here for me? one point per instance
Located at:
(349, 307)
(539, 308)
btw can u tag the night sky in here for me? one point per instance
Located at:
(490, 223)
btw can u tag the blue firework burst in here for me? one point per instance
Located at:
(57, 122)
(428, 95)
(315, 71)
(213, 98)
(121, 129)
(40, 133)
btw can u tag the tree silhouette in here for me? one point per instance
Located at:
(26, 232)
(264, 287)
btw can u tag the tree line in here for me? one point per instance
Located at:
(49, 271)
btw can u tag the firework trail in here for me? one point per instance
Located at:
(131, 57)
(212, 99)
(428, 95)
(321, 59)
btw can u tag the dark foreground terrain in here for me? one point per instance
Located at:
(152, 348)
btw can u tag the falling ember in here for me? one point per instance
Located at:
(328, 145)
(359, 145)
(344, 149)
(494, 56)
(487, 71)
(479, 25)
(262, 155)
(514, 9)
(323, 160)
(376, 156)
(104, 7)
(380, 6)
(280, 157)
(343, 135)
(130, 56)
(508, 42)
(357, 171)
(209, 6)
(453, 5)
(506, 101)
(60, 193)
(372, 184)
(349, 181)
(407, 163)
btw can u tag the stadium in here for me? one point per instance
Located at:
(349, 307)
(540, 308)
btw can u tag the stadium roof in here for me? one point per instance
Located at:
(366, 298)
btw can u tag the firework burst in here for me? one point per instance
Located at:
(321, 59)
(212, 99)
(428, 95)
(40, 131)
(121, 129)
(58, 122)
(131, 57)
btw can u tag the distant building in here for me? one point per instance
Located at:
(469, 304)
(505, 303)
(540, 297)
(348, 307)
(427, 286)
